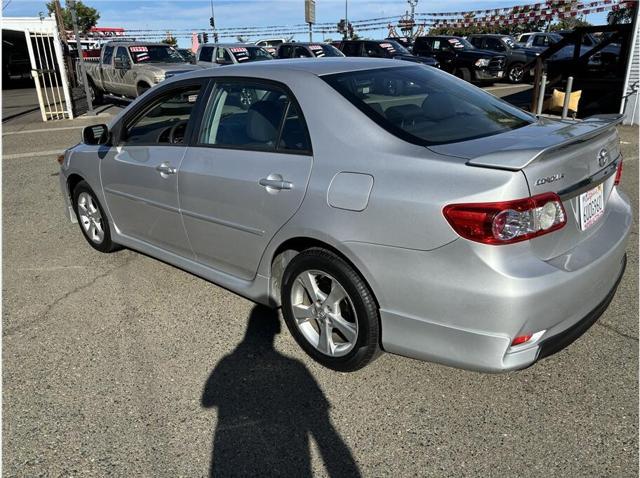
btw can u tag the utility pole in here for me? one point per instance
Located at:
(71, 5)
(212, 22)
(310, 15)
(346, 18)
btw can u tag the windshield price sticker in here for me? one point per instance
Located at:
(387, 45)
(315, 47)
(135, 49)
(238, 50)
(456, 43)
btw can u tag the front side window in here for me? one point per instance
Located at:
(254, 116)
(165, 121)
(476, 41)
(222, 56)
(494, 44)
(121, 55)
(426, 106)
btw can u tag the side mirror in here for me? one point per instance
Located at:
(96, 134)
(120, 64)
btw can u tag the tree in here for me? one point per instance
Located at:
(170, 40)
(569, 24)
(624, 14)
(87, 16)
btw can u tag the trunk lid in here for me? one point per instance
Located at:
(565, 157)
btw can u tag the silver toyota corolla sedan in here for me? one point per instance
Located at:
(383, 205)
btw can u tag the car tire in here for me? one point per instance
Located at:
(515, 73)
(97, 97)
(92, 219)
(321, 292)
(463, 73)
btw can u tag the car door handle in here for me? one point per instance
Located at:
(165, 169)
(274, 182)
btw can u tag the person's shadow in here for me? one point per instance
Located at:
(269, 405)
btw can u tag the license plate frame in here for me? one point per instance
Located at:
(591, 204)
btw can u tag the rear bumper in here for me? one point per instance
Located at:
(555, 343)
(463, 303)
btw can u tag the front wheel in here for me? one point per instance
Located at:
(330, 310)
(515, 74)
(463, 73)
(92, 219)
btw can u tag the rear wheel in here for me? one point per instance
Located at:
(515, 74)
(97, 97)
(330, 310)
(92, 219)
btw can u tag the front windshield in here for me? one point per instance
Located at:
(155, 54)
(426, 106)
(460, 43)
(398, 47)
(509, 41)
(324, 50)
(250, 53)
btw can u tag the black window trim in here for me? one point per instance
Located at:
(150, 102)
(195, 142)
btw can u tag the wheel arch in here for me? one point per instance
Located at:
(72, 182)
(289, 248)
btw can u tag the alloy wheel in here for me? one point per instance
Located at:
(516, 73)
(90, 218)
(324, 313)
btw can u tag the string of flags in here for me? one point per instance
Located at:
(516, 14)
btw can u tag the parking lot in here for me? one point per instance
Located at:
(122, 365)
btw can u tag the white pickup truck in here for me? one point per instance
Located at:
(130, 68)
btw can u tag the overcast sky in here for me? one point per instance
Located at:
(194, 14)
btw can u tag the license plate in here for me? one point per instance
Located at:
(500, 73)
(591, 207)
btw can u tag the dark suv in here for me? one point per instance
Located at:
(306, 50)
(382, 49)
(459, 57)
(517, 56)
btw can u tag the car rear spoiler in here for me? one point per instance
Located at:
(575, 132)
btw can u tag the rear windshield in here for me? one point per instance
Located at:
(250, 53)
(426, 106)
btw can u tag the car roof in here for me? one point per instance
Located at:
(133, 43)
(299, 66)
(230, 45)
(304, 43)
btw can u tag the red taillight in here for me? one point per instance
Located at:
(521, 339)
(509, 221)
(618, 173)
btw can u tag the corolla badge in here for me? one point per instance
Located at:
(603, 157)
(549, 179)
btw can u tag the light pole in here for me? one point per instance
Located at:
(71, 4)
(346, 18)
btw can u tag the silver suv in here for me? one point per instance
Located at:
(383, 205)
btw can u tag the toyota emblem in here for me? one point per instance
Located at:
(603, 157)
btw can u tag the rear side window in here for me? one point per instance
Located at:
(108, 55)
(253, 116)
(426, 106)
(206, 54)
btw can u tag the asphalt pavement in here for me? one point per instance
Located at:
(121, 365)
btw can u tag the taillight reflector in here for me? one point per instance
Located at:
(508, 221)
(618, 173)
(521, 339)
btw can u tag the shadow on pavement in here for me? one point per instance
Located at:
(269, 406)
